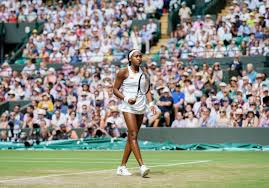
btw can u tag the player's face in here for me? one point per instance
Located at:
(136, 59)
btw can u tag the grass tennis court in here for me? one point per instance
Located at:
(63, 169)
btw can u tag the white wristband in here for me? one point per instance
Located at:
(151, 104)
(126, 99)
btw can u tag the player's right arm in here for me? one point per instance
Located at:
(121, 76)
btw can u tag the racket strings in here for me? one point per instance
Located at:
(144, 84)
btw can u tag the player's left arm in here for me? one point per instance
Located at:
(151, 104)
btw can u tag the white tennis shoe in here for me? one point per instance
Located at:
(144, 170)
(123, 171)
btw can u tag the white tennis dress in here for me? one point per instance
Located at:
(129, 88)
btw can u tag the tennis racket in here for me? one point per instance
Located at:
(143, 85)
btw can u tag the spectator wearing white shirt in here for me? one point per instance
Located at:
(220, 50)
(198, 51)
(115, 122)
(232, 49)
(179, 122)
(29, 68)
(58, 119)
(184, 12)
(191, 121)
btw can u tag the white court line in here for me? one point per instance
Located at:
(98, 171)
(79, 159)
(70, 162)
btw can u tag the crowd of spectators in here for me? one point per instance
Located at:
(73, 97)
(186, 96)
(85, 30)
(242, 31)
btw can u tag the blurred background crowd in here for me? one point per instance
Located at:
(98, 33)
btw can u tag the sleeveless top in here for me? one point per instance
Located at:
(129, 88)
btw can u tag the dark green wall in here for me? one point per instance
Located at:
(206, 135)
(15, 33)
(9, 105)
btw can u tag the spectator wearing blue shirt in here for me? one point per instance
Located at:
(244, 29)
(146, 37)
(251, 73)
(178, 99)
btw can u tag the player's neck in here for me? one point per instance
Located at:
(135, 69)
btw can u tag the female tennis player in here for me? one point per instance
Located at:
(134, 94)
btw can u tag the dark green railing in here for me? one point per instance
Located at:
(2, 37)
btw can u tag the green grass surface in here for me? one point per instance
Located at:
(168, 169)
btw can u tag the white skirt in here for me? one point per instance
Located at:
(138, 108)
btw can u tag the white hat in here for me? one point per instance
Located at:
(22, 93)
(37, 90)
(166, 89)
(45, 94)
(154, 63)
(168, 63)
(265, 89)
(234, 79)
(11, 92)
(239, 111)
(114, 109)
(51, 69)
(258, 75)
(222, 84)
(185, 74)
(17, 80)
(84, 93)
(245, 78)
(198, 74)
(41, 112)
(5, 64)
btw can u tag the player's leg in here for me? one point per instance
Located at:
(126, 153)
(128, 150)
(132, 125)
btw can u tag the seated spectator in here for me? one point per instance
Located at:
(44, 131)
(178, 98)
(72, 120)
(41, 117)
(251, 120)
(222, 119)
(179, 121)
(264, 122)
(190, 120)
(151, 119)
(46, 103)
(28, 120)
(58, 118)
(237, 118)
(165, 104)
(63, 133)
(115, 122)
(205, 120)
(4, 127)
